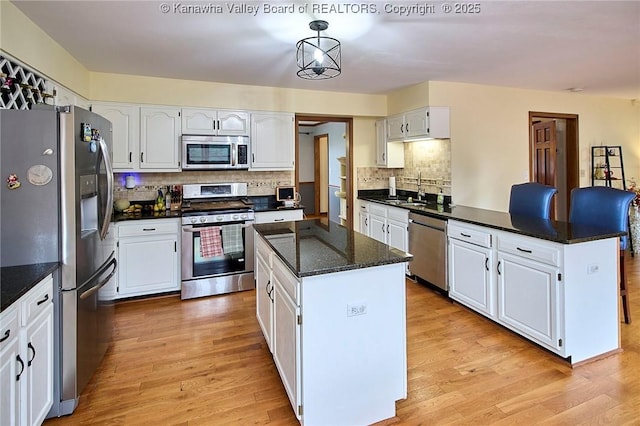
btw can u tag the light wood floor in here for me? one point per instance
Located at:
(204, 362)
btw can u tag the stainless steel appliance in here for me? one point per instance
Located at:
(216, 206)
(215, 152)
(428, 244)
(61, 213)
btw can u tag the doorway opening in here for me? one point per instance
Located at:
(320, 141)
(554, 156)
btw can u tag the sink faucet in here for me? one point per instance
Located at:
(420, 191)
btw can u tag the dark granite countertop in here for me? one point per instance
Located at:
(120, 217)
(268, 203)
(310, 247)
(551, 230)
(16, 281)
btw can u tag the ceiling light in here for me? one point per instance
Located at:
(318, 57)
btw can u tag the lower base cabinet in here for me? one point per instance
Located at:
(148, 257)
(557, 295)
(26, 357)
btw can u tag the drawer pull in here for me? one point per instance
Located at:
(278, 220)
(524, 250)
(44, 299)
(148, 229)
(6, 336)
(465, 235)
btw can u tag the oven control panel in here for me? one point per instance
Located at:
(218, 217)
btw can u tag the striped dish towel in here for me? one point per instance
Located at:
(232, 238)
(210, 242)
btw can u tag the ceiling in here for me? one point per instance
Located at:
(592, 46)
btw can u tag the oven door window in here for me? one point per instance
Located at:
(208, 154)
(216, 265)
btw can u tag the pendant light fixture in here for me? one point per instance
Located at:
(318, 57)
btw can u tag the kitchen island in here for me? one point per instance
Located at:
(331, 305)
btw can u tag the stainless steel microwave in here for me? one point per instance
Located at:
(215, 152)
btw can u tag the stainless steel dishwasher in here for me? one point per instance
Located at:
(428, 244)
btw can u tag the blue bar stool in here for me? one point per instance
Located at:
(531, 199)
(608, 208)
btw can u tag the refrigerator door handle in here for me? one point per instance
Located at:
(87, 293)
(109, 206)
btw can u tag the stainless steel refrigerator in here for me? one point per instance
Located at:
(61, 212)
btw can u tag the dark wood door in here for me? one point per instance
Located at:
(544, 156)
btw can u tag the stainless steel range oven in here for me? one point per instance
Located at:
(217, 240)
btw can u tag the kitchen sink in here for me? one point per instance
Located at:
(395, 202)
(414, 204)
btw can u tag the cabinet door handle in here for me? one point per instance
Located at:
(278, 220)
(383, 155)
(498, 268)
(383, 228)
(30, 346)
(130, 156)
(6, 335)
(44, 299)
(148, 229)
(406, 127)
(402, 128)
(465, 235)
(142, 157)
(21, 368)
(366, 221)
(524, 250)
(486, 263)
(387, 228)
(266, 288)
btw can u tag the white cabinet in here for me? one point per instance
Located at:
(148, 257)
(427, 122)
(160, 131)
(11, 363)
(264, 290)
(471, 273)
(529, 288)
(145, 139)
(387, 224)
(288, 215)
(198, 121)
(395, 127)
(556, 295)
(364, 218)
(388, 154)
(125, 121)
(286, 331)
(26, 357)
(272, 141)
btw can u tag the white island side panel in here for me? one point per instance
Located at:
(354, 367)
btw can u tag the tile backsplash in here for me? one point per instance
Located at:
(432, 158)
(147, 184)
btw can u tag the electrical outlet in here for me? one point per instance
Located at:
(357, 308)
(593, 269)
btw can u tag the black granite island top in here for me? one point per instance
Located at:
(311, 247)
(551, 230)
(15, 281)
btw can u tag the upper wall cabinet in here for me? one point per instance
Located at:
(428, 122)
(272, 141)
(125, 121)
(65, 96)
(215, 122)
(160, 130)
(388, 154)
(145, 139)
